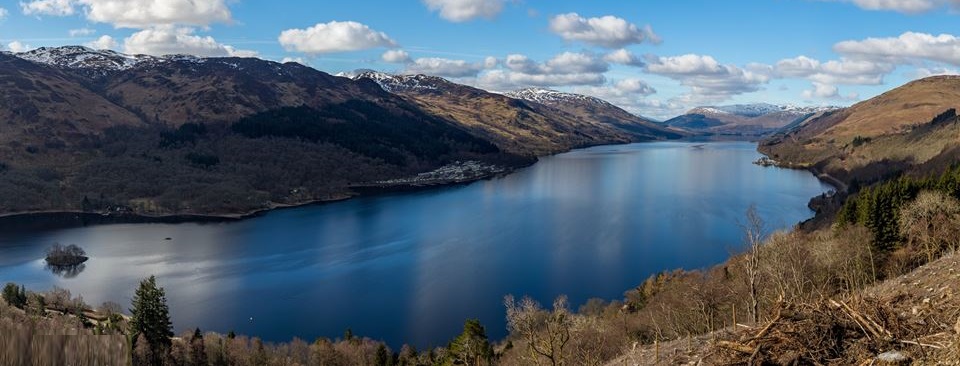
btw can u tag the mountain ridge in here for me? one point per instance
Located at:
(99, 131)
(756, 119)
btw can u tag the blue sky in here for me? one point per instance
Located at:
(656, 58)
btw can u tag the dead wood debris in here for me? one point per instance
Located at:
(852, 331)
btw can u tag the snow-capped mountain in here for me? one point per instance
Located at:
(400, 83)
(758, 109)
(522, 120)
(79, 57)
(552, 97)
(749, 119)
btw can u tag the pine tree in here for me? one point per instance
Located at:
(198, 353)
(151, 319)
(15, 295)
(383, 357)
(472, 346)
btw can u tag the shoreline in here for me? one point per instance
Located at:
(75, 218)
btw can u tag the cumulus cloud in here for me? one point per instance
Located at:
(334, 37)
(17, 47)
(621, 92)
(827, 91)
(607, 31)
(708, 80)
(396, 56)
(825, 76)
(909, 46)
(565, 69)
(564, 63)
(136, 13)
(465, 10)
(843, 71)
(298, 60)
(449, 68)
(922, 72)
(904, 6)
(631, 95)
(105, 42)
(3, 13)
(146, 13)
(624, 57)
(49, 7)
(168, 40)
(503, 80)
(81, 32)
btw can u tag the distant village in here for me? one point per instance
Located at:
(459, 171)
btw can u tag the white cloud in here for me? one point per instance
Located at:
(49, 7)
(904, 6)
(922, 72)
(449, 68)
(105, 42)
(334, 37)
(624, 57)
(147, 13)
(821, 90)
(827, 91)
(633, 86)
(465, 10)
(503, 80)
(629, 94)
(3, 13)
(843, 71)
(167, 40)
(607, 31)
(298, 60)
(708, 80)
(564, 63)
(908, 46)
(136, 13)
(81, 32)
(565, 69)
(17, 47)
(620, 92)
(396, 56)
(824, 76)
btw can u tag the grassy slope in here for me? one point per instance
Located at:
(892, 125)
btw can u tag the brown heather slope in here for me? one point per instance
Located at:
(216, 136)
(518, 126)
(100, 131)
(225, 90)
(43, 106)
(594, 111)
(892, 133)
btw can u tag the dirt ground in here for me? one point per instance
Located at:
(913, 319)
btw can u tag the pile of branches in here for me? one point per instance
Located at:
(855, 331)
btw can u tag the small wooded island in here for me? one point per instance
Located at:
(65, 256)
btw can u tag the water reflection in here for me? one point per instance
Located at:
(67, 271)
(411, 267)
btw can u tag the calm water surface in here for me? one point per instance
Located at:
(412, 267)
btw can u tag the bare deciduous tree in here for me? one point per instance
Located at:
(931, 222)
(753, 235)
(546, 334)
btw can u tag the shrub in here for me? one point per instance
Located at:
(15, 295)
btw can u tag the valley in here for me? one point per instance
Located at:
(494, 183)
(104, 132)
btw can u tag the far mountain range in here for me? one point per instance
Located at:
(745, 119)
